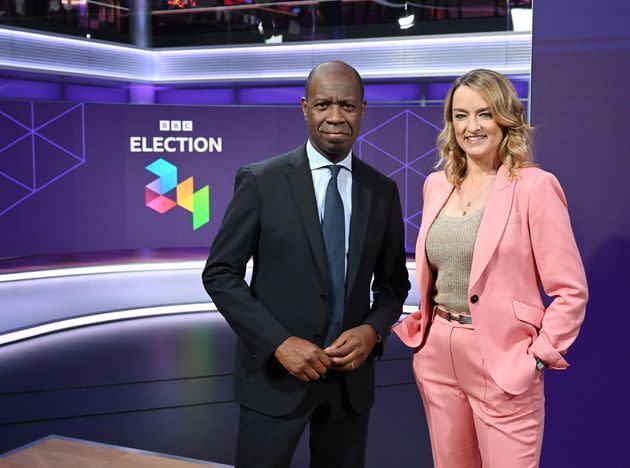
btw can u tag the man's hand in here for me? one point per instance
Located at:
(302, 359)
(352, 348)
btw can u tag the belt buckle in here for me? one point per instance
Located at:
(460, 319)
(449, 316)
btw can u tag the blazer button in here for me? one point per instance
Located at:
(323, 298)
(318, 337)
(474, 299)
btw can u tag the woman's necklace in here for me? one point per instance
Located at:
(466, 201)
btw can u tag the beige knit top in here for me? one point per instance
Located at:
(449, 246)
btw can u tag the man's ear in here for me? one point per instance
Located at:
(304, 104)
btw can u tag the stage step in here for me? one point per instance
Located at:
(63, 452)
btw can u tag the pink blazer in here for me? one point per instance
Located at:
(524, 240)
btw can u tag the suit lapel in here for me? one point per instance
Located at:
(437, 196)
(493, 223)
(301, 182)
(361, 202)
(440, 192)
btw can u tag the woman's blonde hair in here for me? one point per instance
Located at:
(507, 111)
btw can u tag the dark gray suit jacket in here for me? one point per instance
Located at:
(273, 218)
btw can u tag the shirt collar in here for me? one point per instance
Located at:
(317, 161)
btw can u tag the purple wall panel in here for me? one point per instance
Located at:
(69, 181)
(392, 92)
(271, 95)
(81, 93)
(51, 87)
(401, 143)
(30, 89)
(580, 69)
(522, 88)
(194, 96)
(437, 91)
(141, 93)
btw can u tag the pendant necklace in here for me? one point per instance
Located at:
(465, 205)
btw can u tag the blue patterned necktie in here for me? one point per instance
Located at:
(334, 232)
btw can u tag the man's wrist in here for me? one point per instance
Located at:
(376, 333)
(540, 364)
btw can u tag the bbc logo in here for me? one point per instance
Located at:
(176, 126)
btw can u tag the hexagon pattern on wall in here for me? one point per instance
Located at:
(403, 148)
(39, 145)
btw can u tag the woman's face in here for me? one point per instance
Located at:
(476, 131)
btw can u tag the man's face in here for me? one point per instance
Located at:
(333, 112)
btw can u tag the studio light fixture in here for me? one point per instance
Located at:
(521, 19)
(274, 39)
(419, 56)
(38, 330)
(407, 20)
(105, 317)
(101, 270)
(119, 268)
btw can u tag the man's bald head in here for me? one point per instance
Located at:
(334, 67)
(333, 108)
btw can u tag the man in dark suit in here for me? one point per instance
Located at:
(319, 224)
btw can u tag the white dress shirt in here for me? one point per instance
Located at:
(321, 176)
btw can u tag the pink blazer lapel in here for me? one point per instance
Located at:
(493, 222)
(437, 195)
(412, 329)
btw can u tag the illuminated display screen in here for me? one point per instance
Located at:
(80, 177)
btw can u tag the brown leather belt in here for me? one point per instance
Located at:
(459, 318)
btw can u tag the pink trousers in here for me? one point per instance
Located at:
(472, 421)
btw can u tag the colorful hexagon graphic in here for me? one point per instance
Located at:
(198, 203)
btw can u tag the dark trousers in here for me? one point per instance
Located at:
(338, 435)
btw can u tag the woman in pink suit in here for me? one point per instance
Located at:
(495, 228)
